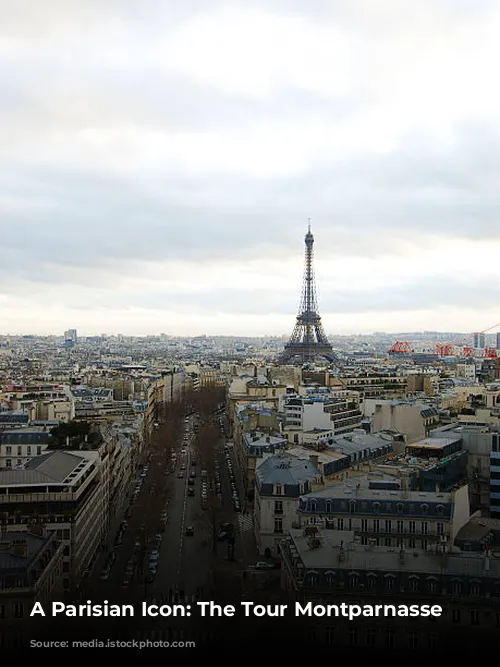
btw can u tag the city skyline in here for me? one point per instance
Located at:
(160, 162)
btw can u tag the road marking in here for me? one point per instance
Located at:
(183, 520)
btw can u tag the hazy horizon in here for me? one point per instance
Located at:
(160, 160)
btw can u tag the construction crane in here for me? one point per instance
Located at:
(401, 347)
(448, 349)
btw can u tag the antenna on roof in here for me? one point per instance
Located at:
(308, 224)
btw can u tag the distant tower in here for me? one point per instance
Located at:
(479, 341)
(308, 340)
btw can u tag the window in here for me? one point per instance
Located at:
(19, 450)
(413, 640)
(412, 527)
(440, 509)
(8, 451)
(399, 508)
(8, 463)
(330, 635)
(279, 490)
(412, 544)
(353, 580)
(18, 610)
(278, 507)
(353, 636)
(431, 586)
(440, 528)
(389, 583)
(425, 528)
(330, 579)
(371, 637)
(387, 542)
(474, 617)
(388, 526)
(432, 640)
(399, 527)
(457, 587)
(376, 507)
(455, 615)
(424, 508)
(424, 545)
(352, 506)
(376, 525)
(341, 524)
(474, 588)
(38, 450)
(29, 450)
(364, 525)
(389, 638)
(371, 581)
(278, 525)
(414, 585)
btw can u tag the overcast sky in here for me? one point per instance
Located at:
(159, 162)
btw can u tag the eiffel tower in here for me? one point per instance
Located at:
(308, 340)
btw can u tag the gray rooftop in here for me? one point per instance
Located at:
(286, 470)
(385, 559)
(21, 436)
(359, 489)
(52, 468)
(9, 560)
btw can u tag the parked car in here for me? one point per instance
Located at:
(189, 531)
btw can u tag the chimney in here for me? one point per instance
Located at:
(19, 548)
(313, 458)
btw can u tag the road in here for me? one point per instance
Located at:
(189, 567)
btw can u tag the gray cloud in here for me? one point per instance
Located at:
(65, 212)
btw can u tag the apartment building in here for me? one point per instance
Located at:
(251, 449)
(319, 411)
(39, 401)
(250, 390)
(382, 511)
(495, 476)
(63, 491)
(332, 567)
(18, 445)
(412, 418)
(31, 570)
(169, 388)
(279, 482)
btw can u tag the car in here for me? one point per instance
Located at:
(183, 466)
(193, 462)
(262, 565)
(137, 545)
(189, 531)
(190, 491)
(180, 475)
(190, 482)
(154, 554)
(193, 474)
(104, 575)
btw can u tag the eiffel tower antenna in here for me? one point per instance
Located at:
(308, 340)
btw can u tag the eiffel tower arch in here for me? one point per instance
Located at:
(308, 340)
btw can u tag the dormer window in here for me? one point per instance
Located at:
(424, 508)
(440, 509)
(279, 490)
(376, 507)
(399, 508)
(352, 506)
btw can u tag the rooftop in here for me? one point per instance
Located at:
(369, 488)
(56, 468)
(286, 470)
(10, 560)
(385, 559)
